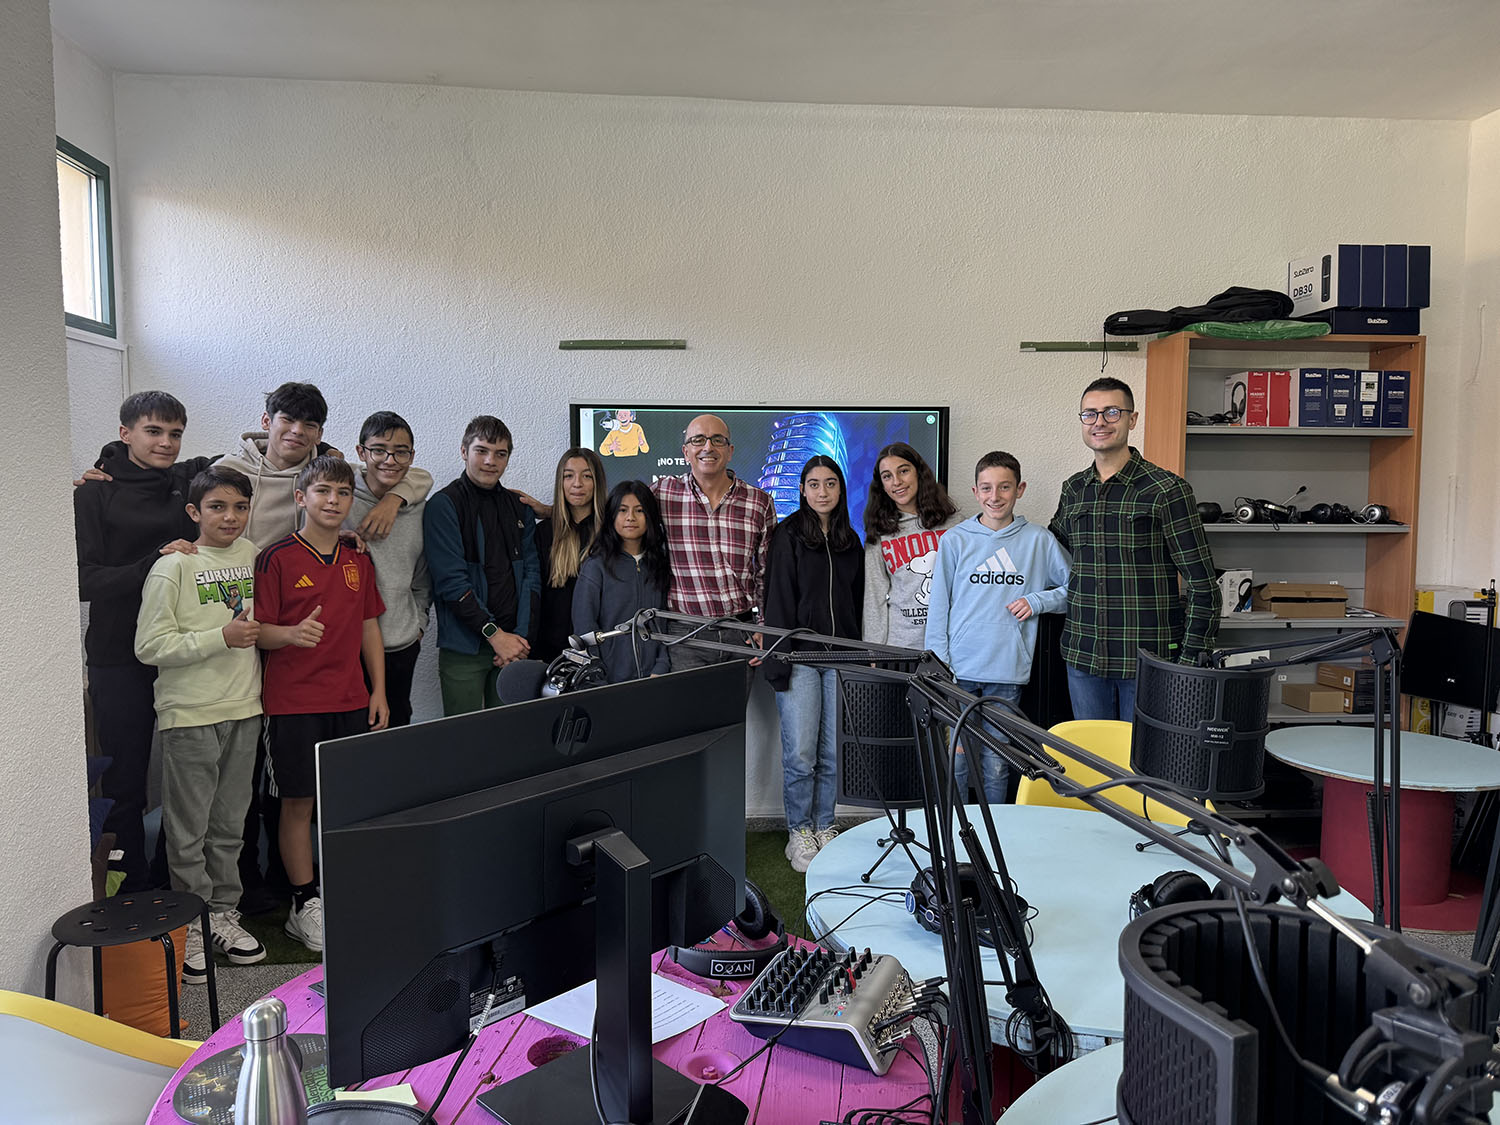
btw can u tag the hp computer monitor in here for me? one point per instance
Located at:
(450, 858)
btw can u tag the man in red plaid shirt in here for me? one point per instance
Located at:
(718, 529)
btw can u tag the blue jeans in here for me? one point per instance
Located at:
(809, 756)
(994, 773)
(1101, 697)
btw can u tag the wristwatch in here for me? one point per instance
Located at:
(489, 629)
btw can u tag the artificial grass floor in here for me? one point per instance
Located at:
(765, 865)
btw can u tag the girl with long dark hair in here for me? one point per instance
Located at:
(906, 514)
(563, 538)
(814, 580)
(626, 571)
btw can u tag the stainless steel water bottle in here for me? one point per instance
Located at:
(270, 1090)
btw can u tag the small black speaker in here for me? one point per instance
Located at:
(1203, 729)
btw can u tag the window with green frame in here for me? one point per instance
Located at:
(87, 256)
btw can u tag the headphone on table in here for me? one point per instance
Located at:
(1173, 887)
(758, 919)
(922, 903)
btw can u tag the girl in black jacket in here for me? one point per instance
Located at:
(815, 580)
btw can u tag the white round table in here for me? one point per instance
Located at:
(1076, 867)
(1432, 770)
(1084, 1090)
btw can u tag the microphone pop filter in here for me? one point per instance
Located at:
(520, 681)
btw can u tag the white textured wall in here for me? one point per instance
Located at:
(43, 815)
(424, 249)
(85, 98)
(1477, 394)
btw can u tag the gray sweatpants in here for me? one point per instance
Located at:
(205, 790)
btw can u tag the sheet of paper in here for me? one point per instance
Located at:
(674, 1008)
(400, 1095)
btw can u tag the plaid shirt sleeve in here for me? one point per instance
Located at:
(1187, 546)
(718, 556)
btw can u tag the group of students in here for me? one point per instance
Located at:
(282, 581)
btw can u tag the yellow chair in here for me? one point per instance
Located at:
(1109, 739)
(58, 1063)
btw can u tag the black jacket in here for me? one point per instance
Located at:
(121, 526)
(813, 588)
(550, 630)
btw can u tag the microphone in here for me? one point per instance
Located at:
(589, 640)
(520, 681)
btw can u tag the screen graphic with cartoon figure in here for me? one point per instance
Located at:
(771, 444)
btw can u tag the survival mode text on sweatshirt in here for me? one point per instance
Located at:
(978, 573)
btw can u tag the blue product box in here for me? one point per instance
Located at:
(1367, 400)
(1365, 322)
(1395, 400)
(1372, 277)
(1312, 396)
(1395, 276)
(1342, 397)
(1418, 277)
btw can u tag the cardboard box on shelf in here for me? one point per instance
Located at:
(1302, 599)
(1315, 698)
(1350, 677)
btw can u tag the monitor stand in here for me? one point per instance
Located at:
(633, 1087)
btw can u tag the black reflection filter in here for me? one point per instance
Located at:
(1204, 729)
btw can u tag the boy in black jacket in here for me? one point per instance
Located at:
(123, 526)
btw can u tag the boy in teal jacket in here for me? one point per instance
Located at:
(480, 542)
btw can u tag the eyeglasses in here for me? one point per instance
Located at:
(377, 453)
(698, 441)
(1109, 414)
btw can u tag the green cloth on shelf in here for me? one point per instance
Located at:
(1261, 329)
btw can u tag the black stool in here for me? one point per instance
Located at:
(126, 918)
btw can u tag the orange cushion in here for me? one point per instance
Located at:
(135, 983)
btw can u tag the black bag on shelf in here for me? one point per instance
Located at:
(1236, 305)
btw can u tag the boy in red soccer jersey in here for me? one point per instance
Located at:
(317, 604)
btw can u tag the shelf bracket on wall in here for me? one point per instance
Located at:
(619, 345)
(1080, 346)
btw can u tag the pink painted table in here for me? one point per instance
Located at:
(781, 1087)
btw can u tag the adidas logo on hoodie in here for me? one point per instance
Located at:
(998, 570)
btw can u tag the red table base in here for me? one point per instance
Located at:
(1426, 842)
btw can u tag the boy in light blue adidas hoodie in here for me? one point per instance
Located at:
(994, 574)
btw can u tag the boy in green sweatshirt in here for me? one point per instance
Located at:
(197, 626)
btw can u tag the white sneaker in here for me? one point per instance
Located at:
(194, 968)
(306, 925)
(233, 940)
(801, 848)
(824, 835)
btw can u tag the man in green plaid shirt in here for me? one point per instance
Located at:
(1132, 528)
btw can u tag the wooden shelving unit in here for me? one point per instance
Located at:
(1391, 467)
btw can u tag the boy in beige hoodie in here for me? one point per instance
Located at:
(197, 626)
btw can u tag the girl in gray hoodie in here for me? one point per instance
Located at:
(905, 515)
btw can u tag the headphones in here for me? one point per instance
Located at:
(1249, 510)
(1174, 887)
(1373, 513)
(1209, 512)
(922, 903)
(758, 919)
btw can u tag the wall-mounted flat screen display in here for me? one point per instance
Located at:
(771, 443)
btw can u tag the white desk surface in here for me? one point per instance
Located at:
(1076, 867)
(1427, 762)
(1084, 1090)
